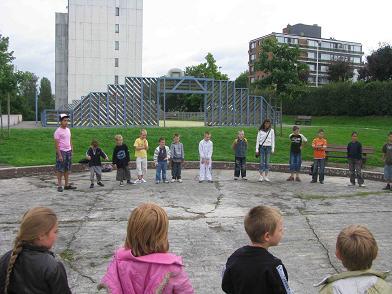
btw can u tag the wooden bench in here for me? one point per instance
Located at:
(340, 151)
(306, 120)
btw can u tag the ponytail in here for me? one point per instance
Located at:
(18, 246)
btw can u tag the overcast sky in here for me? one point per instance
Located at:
(178, 33)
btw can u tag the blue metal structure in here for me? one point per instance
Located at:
(141, 100)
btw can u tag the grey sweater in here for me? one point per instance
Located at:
(177, 152)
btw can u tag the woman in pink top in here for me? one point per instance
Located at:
(143, 265)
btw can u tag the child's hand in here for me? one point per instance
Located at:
(155, 163)
(88, 157)
(107, 158)
(207, 161)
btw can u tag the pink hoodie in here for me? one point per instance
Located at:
(150, 274)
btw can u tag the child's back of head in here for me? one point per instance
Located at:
(356, 248)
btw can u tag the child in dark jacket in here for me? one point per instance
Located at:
(121, 160)
(252, 269)
(93, 155)
(30, 267)
(240, 147)
(354, 156)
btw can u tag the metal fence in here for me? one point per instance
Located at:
(142, 102)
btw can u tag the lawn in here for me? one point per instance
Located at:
(28, 147)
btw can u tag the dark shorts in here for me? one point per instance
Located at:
(388, 172)
(65, 165)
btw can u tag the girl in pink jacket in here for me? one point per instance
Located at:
(143, 265)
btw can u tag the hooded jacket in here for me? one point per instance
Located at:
(150, 274)
(356, 282)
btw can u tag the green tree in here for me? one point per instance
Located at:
(242, 80)
(340, 71)
(24, 100)
(45, 98)
(378, 65)
(280, 64)
(7, 76)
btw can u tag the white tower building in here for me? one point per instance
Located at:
(98, 42)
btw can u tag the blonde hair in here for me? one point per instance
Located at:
(241, 132)
(143, 131)
(260, 220)
(118, 138)
(357, 247)
(35, 222)
(147, 230)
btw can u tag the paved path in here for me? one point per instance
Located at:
(206, 222)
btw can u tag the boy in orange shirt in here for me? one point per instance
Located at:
(319, 145)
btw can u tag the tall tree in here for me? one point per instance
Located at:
(7, 77)
(378, 65)
(340, 71)
(280, 64)
(242, 80)
(46, 100)
(24, 100)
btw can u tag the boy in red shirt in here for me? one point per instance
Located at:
(319, 145)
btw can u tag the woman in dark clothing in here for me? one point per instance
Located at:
(30, 267)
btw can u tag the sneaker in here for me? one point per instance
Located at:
(200, 181)
(261, 179)
(387, 187)
(166, 181)
(173, 180)
(157, 182)
(210, 181)
(321, 182)
(351, 185)
(121, 184)
(244, 179)
(362, 185)
(69, 187)
(60, 189)
(313, 181)
(267, 179)
(180, 180)
(92, 185)
(235, 178)
(297, 179)
(143, 181)
(290, 179)
(100, 184)
(138, 182)
(129, 182)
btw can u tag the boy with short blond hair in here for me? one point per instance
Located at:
(141, 147)
(252, 269)
(356, 247)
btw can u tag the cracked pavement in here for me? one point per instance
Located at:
(206, 222)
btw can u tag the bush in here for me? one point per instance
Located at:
(345, 98)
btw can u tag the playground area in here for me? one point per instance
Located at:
(206, 222)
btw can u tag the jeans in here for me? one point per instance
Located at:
(176, 170)
(265, 155)
(318, 170)
(161, 168)
(295, 162)
(141, 166)
(95, 170)
(355, 166)
(240, 167)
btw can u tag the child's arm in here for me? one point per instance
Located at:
(137, 148)
(384, 152)
(272, 141)
(127, 154)
(210, 151)
(103, 155)
(257, 142)
(168, 153)
(227, 283)
(88, 154)
(156, 152)
(114, 158)
(234, 144)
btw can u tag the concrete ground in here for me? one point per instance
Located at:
(206, 222)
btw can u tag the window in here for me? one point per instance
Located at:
(311, 79)
(116, 80)
(116, 62)
(312, 67)
(312, 43)
(252, 45)
(312, 55)
(252, 57)
(116, 45)
(356, 59)
(117, 28)
(252, 79)
(326, 45)
(324, 68)
(356, 48)
(117, 11)
(325, 56)
(280, 39)
(252, 69)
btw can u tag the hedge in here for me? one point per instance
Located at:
(345, 98)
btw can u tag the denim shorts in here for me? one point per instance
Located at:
(65, 165)
(388, 172)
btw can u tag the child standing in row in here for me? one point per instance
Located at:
(319, 145)
(387, 157)
(297, 141)
(94, 154)
(161, 158)
(205, 154)
(144, 265)
(240, 147)
(265, 145)
(177, 158)
(121, 161)
(354, 156)
(252, 268)
(141, 147)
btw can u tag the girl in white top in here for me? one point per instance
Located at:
(265, 145)
(205, 153)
